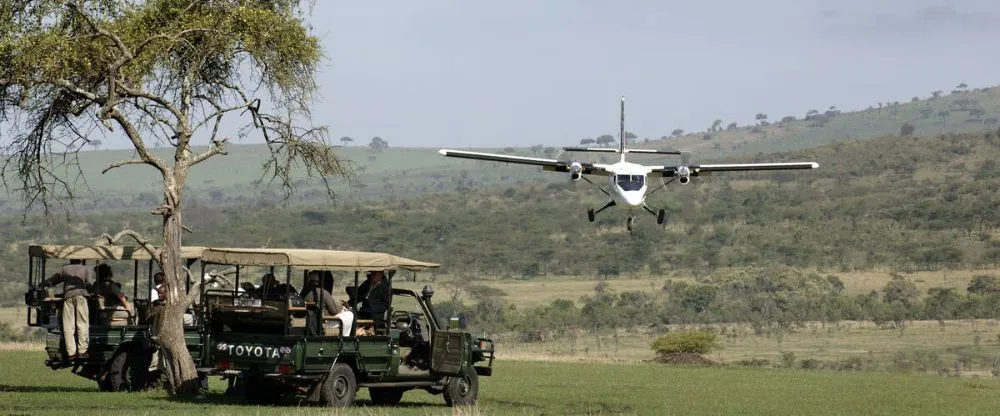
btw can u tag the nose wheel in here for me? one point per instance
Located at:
(629, 223)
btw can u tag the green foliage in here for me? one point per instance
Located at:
(695, 341)
(906, 130)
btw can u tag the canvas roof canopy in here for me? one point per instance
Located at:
(101, 252)
(319, 259)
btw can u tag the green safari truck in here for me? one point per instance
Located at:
(273, 344)
(122, 353)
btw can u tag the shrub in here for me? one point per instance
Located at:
(689, 341)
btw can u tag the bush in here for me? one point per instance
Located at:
(689, 341)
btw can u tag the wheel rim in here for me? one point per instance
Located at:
(464, 386)
(340, 387)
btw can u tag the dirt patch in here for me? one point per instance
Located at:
(684, 358)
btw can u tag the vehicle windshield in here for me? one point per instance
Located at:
(631, 182)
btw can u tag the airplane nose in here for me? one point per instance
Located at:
(633, 198)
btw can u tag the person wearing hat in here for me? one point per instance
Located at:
(314, 292)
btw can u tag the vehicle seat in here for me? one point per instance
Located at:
(111, 315)
(343, 321)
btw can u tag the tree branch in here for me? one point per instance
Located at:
(137, 141)
(217, 147)
(93, 25)
(121, 163)
(107, 239)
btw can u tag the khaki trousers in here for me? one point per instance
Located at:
(76, 325)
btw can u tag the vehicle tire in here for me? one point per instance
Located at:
(129, 371)
(591, 215)
(629, 223)
(339, 388)
(661, 217)
(386, 396)
(463, 390)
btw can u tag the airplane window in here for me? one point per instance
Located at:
(631, 182)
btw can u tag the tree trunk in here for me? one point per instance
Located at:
(178, 367)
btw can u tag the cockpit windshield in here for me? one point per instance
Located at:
(631, 182)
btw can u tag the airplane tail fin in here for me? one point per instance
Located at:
(621, 131)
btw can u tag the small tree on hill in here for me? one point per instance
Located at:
(761, 119)
(906, 129)
(378, 144)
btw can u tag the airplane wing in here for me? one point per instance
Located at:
(546, 164)
(732, 167)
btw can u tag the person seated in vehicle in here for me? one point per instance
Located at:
(270, 288)
(157, 296)
(112, 297)
(314, 290)
(154, 292)
(374, 295)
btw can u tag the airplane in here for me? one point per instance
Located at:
(627, 179)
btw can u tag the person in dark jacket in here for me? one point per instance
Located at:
(374, 295)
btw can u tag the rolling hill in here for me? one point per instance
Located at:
(902, 203)
(407, 172)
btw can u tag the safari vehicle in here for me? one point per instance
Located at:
(274, 347)
(121, 349)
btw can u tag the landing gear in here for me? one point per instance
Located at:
(591, 213)
(629, 222)
(661, 215)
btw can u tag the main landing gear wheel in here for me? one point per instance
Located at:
(629, 223)
(590, 214)
(661, 217)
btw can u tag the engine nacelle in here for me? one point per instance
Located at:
(575, 171)
(683, 175)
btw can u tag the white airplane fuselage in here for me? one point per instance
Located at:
(628, 180)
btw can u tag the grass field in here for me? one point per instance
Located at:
(553, 388)
(543, 290)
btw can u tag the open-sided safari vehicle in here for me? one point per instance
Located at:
(272, 346)
(121, 350)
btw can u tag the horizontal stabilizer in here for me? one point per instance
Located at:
(613, 150)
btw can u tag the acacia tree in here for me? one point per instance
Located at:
(160, 71)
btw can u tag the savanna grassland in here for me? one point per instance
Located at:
(553, 388)
(863, 287)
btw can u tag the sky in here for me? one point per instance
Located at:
(460, 73)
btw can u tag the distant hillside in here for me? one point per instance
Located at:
(408, 172)
(962, 110)
(901, 203)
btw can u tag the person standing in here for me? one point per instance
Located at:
(77, 283)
